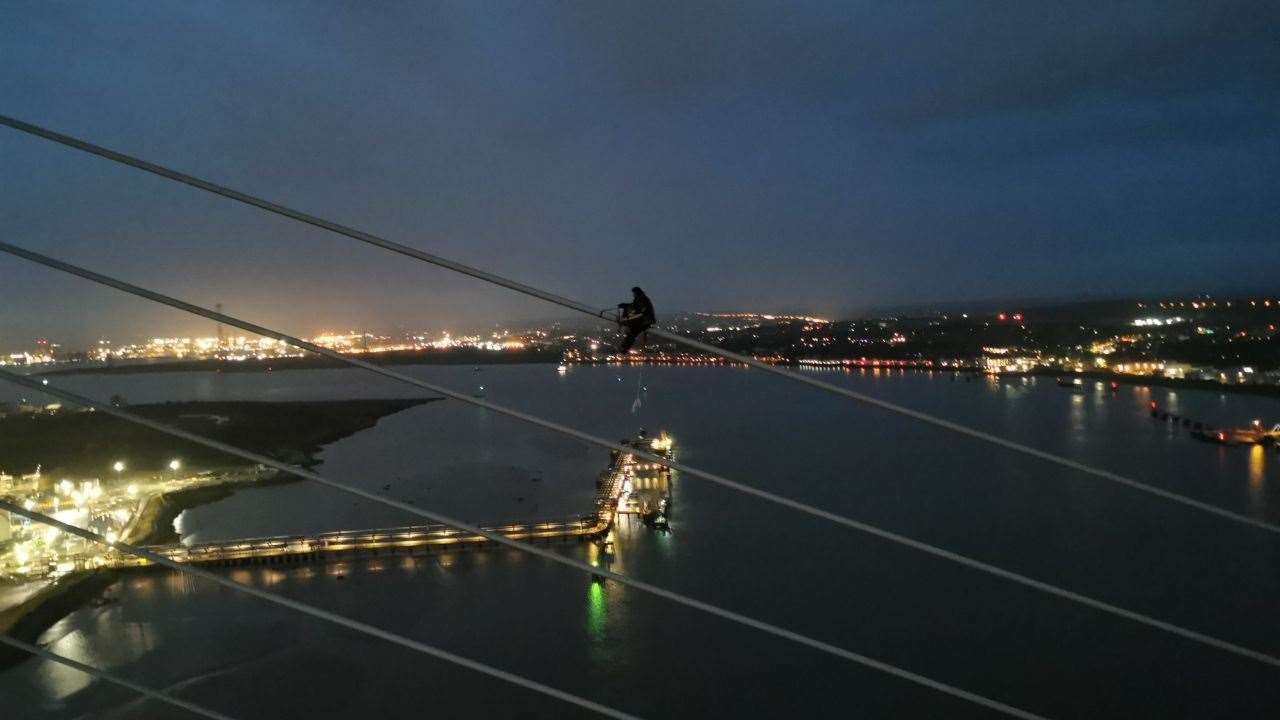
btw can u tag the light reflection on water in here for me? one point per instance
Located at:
(60, 682)
(1077, 417)
(1257, 477)
(596, 612)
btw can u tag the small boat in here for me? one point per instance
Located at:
(654, 518)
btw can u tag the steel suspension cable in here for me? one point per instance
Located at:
(805, 508)
(490, 535)
(313, 611)
(152, 693)
(571, 304)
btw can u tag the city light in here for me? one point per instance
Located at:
(118, 466)
(662, 443)
(241, 348)
(175, 465)
(1157, 322)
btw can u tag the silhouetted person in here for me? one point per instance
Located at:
(635, 317)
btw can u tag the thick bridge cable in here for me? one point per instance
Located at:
(152, 693)
(500, 539)
(805, 508)
(313, 611)
(562, 301)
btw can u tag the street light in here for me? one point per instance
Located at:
(118, 466)
(175, 465)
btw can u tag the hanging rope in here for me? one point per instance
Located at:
(635, 404)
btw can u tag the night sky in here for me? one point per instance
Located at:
(824, 157)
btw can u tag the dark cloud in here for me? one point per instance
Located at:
(821, 156)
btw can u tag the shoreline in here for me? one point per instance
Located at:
(1181, 384)
(29, 619)
(432, 357)
(548, 356)
(154, 524)
(1135, 380)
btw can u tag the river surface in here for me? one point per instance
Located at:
(658, 660)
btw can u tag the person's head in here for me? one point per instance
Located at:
(637, 291)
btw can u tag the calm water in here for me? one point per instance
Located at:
(657, 660)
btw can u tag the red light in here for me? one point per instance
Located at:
(1017, 317)
(1001, 317)
(1153, 404)
(1222, 436)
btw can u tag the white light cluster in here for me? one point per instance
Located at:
(1155, 321)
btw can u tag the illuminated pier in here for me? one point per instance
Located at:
(613, 484)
